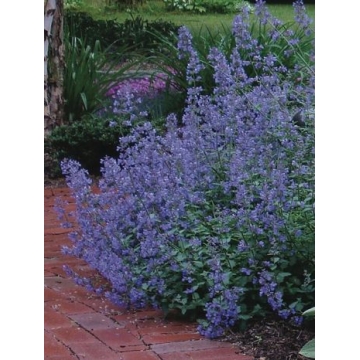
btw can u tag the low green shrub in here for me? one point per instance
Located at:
(184, 5)
(52, 168)
(225, 7)
(82, 25)
(73, 4)
(135, 33)
(125, 4)
(207, 6)
(87, 141)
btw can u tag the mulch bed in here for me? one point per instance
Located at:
(272, 339)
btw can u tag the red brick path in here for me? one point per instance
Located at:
(81, 325)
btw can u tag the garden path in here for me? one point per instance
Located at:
(81, 325)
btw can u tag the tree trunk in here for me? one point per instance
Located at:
(53, 65)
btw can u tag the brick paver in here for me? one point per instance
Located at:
(81, 325)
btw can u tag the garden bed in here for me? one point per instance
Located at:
(272, 339)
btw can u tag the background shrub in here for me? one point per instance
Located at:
(82, 25)
(207, 6)
(87, 141)
(135, 34)
(126, 4)
(73, 4)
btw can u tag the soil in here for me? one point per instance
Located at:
(264, 339)
(272, 339)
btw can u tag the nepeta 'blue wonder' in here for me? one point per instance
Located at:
(216, 213)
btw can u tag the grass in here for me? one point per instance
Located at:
(155, 9)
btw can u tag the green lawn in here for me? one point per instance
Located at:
(155, 10)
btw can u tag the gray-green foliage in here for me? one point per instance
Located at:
(308, 350)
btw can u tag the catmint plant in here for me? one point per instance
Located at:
(213, 218)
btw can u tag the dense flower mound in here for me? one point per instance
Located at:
(215, 217)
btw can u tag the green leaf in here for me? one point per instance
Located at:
(309, 312)
(308, 350)
(145, 286)
(245, 317)
(280, 277)
(83, 97)
(232, 263)
(199, 264)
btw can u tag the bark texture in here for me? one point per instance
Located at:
(53, 65)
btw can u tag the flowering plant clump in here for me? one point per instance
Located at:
(214, 218)
(141, 87)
